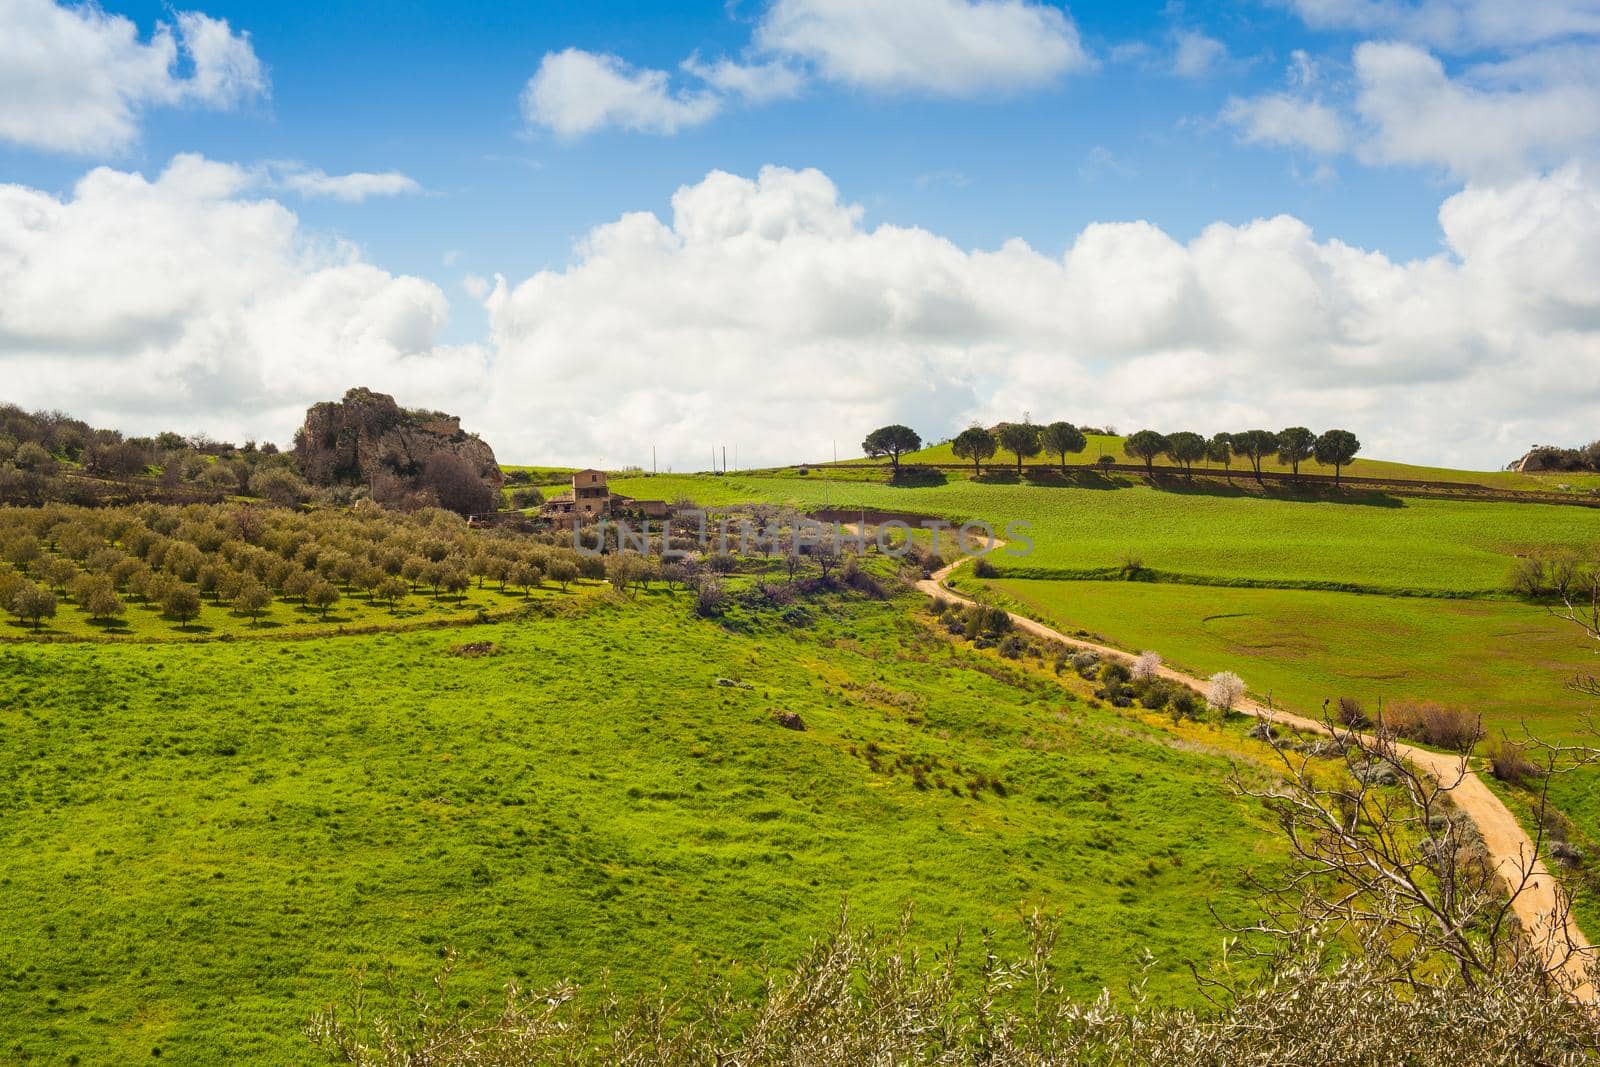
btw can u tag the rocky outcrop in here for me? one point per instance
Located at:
(367, 437)
(1551, 458)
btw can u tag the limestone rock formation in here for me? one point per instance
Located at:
(368, 439)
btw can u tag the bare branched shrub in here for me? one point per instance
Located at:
(1509, 762)
(858, 997)
(1351, 714)
(1441, 725)
(1383, 848)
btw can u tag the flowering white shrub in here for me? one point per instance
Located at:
(1147, 666)
(1225, 690)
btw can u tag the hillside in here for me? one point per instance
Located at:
(260, 816)
(1309, 597)
(1371, 541)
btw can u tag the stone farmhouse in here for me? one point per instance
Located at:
(590, 500)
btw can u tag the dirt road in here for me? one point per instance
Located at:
(1509, 847)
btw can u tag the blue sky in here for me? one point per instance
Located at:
(1357, 119)
(432, 90)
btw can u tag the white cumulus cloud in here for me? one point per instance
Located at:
(185, 301)
(76, 79)
(1419, 114)
(767, 313)
(1456, 24)
(1288, 120)
(351, 188)
(576, 92)
(946, 47)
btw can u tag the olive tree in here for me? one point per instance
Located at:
(322, 595)
(103, 603)
(391, 591)
(252, 599)
(181, 601)
(33, 603)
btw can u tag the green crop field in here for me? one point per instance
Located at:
(1367, 541)
(203, 839)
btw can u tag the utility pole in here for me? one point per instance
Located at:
(652, 459)
(724, 459)
(836, 450)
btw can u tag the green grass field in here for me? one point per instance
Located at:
(203, 839)
(1506, 659)
(1370, 542)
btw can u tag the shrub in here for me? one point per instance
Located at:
(1147, 666)
(1225, 691)
(983, 568)
(1153, 693)
(1351, 714)
(857, 995)
(1434, 724)
(1185, 704)
(986, 621)
(709, 599)
(1086, 663)
(1013, 647)
(1509, 763)
(1114, 672)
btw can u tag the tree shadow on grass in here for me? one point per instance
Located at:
(109, 627)
(1052, 478)
(918, 477)
(1303, 493)
(26, 629)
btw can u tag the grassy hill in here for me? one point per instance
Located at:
(1307, 596)
(1363, 467)
(203, 839)
(1368, 541)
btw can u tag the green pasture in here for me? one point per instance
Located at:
(203, 840)
(1356, 540)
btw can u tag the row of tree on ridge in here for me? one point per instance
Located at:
(1024, 440)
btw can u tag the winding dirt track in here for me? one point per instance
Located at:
(1540, 903)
